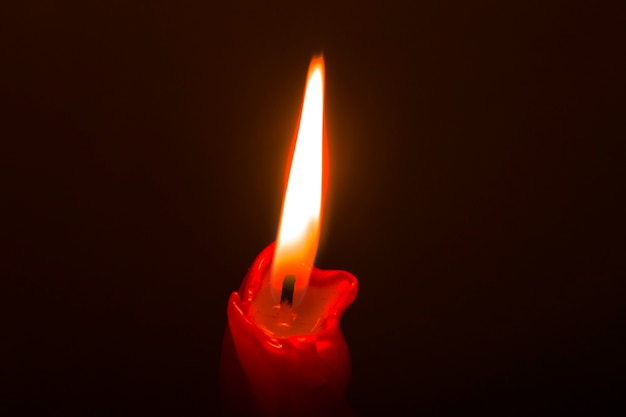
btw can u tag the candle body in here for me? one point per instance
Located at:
(302, 374)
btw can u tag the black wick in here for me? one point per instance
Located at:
(289, 285)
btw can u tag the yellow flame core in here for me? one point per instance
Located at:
(299, 230)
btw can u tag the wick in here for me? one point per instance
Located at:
(289, 284)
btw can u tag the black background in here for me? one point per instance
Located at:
(474, 185)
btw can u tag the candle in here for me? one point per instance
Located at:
(283, 352)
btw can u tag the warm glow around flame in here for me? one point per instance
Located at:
(299, 230)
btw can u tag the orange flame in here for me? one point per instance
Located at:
(299, 230)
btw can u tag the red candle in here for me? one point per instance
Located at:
(283, 352)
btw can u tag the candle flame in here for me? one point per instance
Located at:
(299, 229)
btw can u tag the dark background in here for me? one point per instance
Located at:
(474, 186)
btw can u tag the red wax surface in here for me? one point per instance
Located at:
(282, 361)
